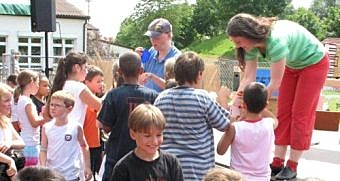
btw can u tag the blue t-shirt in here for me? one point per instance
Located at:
(156, 66)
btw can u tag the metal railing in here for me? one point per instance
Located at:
(230, 73)
(36, 63)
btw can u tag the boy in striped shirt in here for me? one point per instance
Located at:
(191, 114)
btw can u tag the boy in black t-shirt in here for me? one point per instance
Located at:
(117, 105)
(146, 161)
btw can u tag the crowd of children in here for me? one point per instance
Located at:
(62, 127)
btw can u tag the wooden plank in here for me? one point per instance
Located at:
(332, 82)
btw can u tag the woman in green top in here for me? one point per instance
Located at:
(299, 66)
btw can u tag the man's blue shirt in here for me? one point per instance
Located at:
(155, 66)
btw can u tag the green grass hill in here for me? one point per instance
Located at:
(218, 46)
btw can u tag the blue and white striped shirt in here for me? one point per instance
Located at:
(191, 114)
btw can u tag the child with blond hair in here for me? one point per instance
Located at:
(62, 134)
(222, 174)
(29, 120)
(9, 138)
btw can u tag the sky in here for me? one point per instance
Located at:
(107, 15)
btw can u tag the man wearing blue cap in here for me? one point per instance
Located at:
(160, 34)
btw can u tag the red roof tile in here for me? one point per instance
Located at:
(66, 9)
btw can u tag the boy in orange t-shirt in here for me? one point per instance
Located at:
(94, 80)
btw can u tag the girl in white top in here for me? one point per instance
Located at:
(70, 73)
(62, 134)
(9, 138)
(30, 121)
(252, 137)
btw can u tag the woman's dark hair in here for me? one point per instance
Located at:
(251, 27)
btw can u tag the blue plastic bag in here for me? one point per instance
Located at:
(145, 55)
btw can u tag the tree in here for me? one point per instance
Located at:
(205, 18)
(321, 7)
(133, 28)
(287, 11)
(129, 33)
(211, 16)
(256, 7)
(332, 22)
(310, 21)
(181, 19)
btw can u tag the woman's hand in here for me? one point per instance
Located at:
(277, 70)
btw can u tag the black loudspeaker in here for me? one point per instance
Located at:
(43, 16)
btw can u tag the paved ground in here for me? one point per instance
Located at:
(322, 161)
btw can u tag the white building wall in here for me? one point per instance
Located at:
(13, 27)
(73, 29)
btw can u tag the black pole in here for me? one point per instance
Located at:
(46, 55)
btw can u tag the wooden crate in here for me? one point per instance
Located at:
(334, 62)
(327, 120)
(324, 120)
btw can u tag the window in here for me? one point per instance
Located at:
(2, 46)
(23, 40)
(30, 49)
(61, 47)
